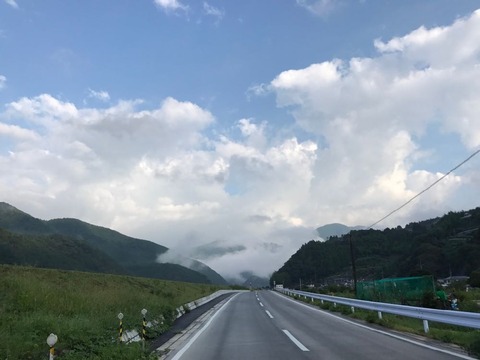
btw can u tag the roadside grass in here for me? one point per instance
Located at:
(81, 309)
(467, 338)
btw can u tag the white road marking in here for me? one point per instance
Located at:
(295, 341)
(380, 331)
(268, 313)
(261, 304)
(195, 337)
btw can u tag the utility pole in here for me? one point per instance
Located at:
(354, 269)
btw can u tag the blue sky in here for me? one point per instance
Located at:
(226, 123)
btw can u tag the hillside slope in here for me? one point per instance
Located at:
(449, 245)
(121, 253)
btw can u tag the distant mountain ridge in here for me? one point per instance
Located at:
(335, 229)
(26, 240)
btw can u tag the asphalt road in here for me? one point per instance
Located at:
(266, 325)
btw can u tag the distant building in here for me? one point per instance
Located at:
(452, 279)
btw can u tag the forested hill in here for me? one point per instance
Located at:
(76, 245)
(444, 246)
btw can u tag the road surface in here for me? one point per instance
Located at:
(266, 325)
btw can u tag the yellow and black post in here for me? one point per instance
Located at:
(51, 341)
(120, 327)
(144, 328)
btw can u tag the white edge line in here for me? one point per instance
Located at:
(179, 354)
(381, 331)
(295, 341)
(268, 313)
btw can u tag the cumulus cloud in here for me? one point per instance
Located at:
(369, 111)
(17, 132)
(3, 81)
(12, 3)
(171, 5)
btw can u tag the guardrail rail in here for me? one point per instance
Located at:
(453, 317)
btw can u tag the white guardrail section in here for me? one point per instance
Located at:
(134, 335)
(453, 317)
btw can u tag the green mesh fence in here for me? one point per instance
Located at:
(396, 290)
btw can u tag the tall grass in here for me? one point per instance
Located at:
(81, 309)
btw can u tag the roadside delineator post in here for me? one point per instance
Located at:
(120, 327)
(144, 328)
(51, 341)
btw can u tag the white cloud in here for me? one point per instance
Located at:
(320, 8)
(12, 3)
(3, 81)
(213, 11)
(17, 132)
(171, 5)
(153, 173)
(99, 95)
(370, 110)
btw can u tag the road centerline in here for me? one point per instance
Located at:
(268, 313)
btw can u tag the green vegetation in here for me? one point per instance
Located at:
(81, 309)
(440, 247)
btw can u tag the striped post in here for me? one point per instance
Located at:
(51, 341)
(144, 328)
(120, 327)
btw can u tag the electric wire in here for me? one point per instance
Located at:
(424, 190)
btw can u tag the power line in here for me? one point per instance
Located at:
(426, 189)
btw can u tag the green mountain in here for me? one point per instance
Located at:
(76, 245)
(329, 230)
(444, 246)
(53, 251)
(17, 221)
(124, 249)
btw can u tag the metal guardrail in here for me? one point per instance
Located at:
(453, 317)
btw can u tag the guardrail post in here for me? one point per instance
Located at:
(380, 315)
(334, 304)
(321, 300)
(425, 326)
(353, 309)
(312, 298)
